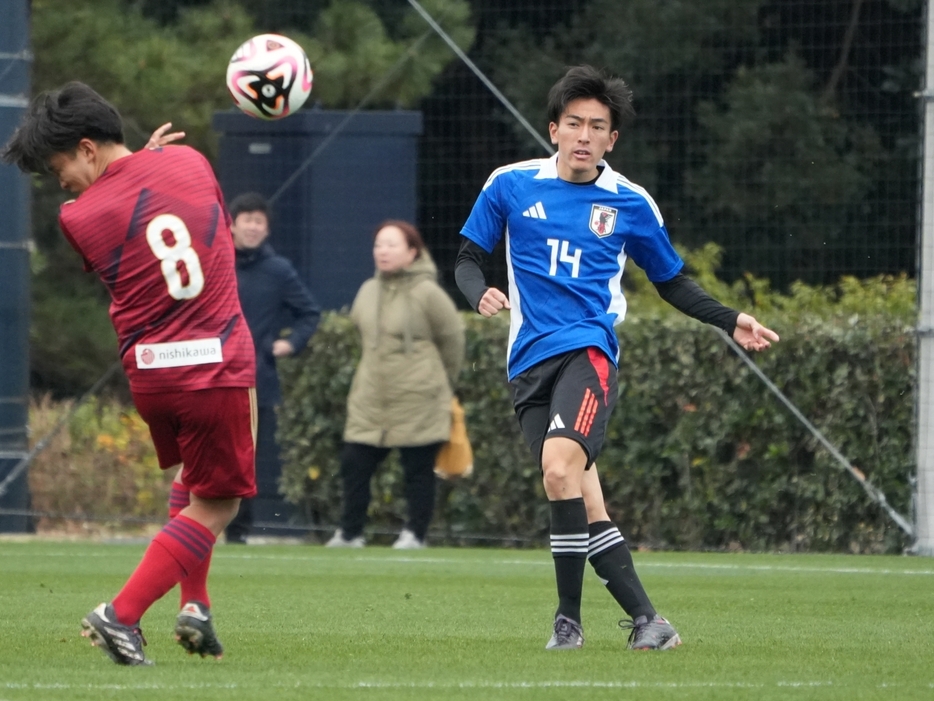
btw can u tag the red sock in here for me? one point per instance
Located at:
(195, 586)
(179, 498)
(176, 551)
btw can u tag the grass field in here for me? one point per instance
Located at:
(303, 622)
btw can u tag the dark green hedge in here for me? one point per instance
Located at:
(699, 454)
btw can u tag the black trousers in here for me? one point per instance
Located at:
(358, 465)
(268, 471)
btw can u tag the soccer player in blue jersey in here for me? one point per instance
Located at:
(570, 223)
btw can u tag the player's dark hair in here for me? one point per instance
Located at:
(584, 82)
(413, 238)
(56, 121)
(248, 202)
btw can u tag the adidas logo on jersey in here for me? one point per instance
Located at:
(536, 211)
(556, 423)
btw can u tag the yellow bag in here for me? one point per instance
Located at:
(455, 459)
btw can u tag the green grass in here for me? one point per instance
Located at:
(302, 622)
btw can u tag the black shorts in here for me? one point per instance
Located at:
(570, 395)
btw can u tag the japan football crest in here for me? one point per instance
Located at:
(602, 220)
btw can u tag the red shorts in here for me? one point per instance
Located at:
(211, 433)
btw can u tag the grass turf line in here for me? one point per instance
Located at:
(303, 622)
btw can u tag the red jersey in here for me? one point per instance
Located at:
(155, 229)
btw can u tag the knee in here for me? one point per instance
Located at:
(231, 509)
(222, 513)
(213, 514)
(556, 476)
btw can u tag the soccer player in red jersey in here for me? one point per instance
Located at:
(153, 226)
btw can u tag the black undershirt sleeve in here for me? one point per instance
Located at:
(468, 271)
(681, 292)
(688, 297)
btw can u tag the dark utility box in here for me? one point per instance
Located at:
(335, 176)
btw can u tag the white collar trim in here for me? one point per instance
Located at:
(606, 180)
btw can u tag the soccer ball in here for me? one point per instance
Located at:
(269, 76)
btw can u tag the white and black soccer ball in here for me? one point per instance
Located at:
(269, 76)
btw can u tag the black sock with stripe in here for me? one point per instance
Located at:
(612, 561)
(569, 541)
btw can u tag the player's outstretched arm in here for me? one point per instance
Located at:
(752, 335)
(161, 138)
(688, 297)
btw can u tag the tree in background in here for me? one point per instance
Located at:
(788, 122)
(787, 82)
(151, 73)
(782, 169)
(353, 53)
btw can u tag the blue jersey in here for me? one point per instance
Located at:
(566, 247)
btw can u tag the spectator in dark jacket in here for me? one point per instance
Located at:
(273, 299)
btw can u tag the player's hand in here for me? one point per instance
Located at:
(752, 335)
(160, 138)
(282, 348)
(492, 301)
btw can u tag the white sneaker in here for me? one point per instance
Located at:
(408, 541)
(338, 541)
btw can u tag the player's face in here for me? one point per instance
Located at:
(391, 251)
(582, 135)
(77, 171)
(249, 230)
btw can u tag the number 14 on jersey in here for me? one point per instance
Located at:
(560, 253)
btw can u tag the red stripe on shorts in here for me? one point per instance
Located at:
(586, 413)
(590, 416)
(582, 412)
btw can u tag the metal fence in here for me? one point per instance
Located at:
(787, 131)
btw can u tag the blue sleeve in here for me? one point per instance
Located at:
(650, 248)
(487, 219)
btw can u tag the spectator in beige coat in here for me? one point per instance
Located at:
(413, 346)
